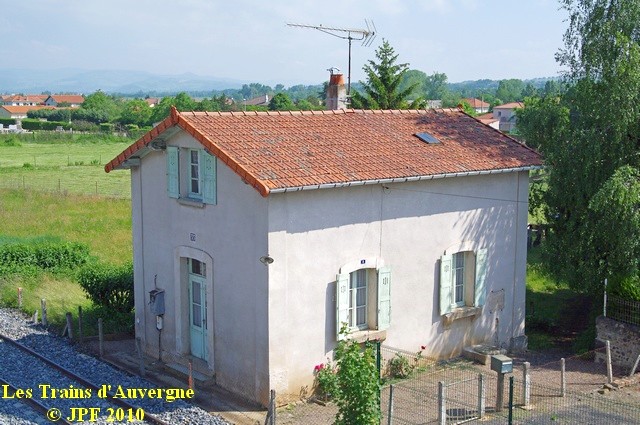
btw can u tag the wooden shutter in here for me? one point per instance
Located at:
(173, 172)
(446, 284)
(342, 303)
(481, 273)
(209, 178)
(384, 297)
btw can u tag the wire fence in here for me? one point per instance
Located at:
(623, 310)
(69, 184)
(419, 390)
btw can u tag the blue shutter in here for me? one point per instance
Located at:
(446, 284)
(209, 178)
(342, 303)
(384, 297)
(481, 273)
(173, 172)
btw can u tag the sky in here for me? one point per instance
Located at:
(248, 40)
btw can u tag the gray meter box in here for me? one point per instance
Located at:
(156, 301)
(501, 364)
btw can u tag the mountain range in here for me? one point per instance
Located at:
(70, 80)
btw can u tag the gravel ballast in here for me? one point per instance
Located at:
(24, 371)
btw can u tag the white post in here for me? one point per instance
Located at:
(609, 366)
(481, 399)
(604, 307)
(19, 297)
(526, 384)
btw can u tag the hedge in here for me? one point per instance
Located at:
(7, 121)
(32, 124)
(48, 255)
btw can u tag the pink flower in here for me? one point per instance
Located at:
(318, 367)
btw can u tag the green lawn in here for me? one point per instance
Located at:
(71, 165)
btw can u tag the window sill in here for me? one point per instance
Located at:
(190, 202)
(367, 335)
(461, 313)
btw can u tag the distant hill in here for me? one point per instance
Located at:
(139, 83)
(111, 81)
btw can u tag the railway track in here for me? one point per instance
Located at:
(37, 407)
(59, 394)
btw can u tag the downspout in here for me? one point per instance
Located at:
(142, 254)
(515, 261)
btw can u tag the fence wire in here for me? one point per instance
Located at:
(410, 393)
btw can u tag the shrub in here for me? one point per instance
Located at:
(107, 127)
(358, 384)
(83, 125)
(399, 367)
(326, 381)
(108, 286)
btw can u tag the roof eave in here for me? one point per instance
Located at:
(406, 179)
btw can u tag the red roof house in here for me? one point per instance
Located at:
(264, 233)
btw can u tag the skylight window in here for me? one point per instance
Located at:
(428, 138)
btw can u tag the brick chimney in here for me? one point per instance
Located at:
(336, 92)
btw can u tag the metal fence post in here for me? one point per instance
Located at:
(100, 338)
(43, 307)
(526, 384)
(390, 412)
(481, 399)
(511, 400)
(273, 406)
(442, 409)
(609, 366)
(563, 378)
(635, 367)
(604, 308)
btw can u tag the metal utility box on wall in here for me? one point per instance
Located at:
(156, 301)
(501, 364)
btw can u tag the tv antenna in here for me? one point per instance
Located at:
(364, 35)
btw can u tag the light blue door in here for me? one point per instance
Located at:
(198, 314)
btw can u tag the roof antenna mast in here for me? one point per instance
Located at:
(364, 35)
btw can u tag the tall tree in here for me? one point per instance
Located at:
(382, 89)
(510, 90)
(281, 102)
(597, 138)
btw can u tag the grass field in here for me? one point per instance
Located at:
(71, 165)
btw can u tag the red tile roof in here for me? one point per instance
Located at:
(512, 105)
(278, 151)
(76, 99)
(476, 103)
(24, 108)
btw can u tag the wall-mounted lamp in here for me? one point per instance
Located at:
(266, 260)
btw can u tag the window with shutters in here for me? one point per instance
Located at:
(462, 281)
(363, 300)
(191, 175)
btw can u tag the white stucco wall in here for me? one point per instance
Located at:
(230, 237)
(408, 227)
